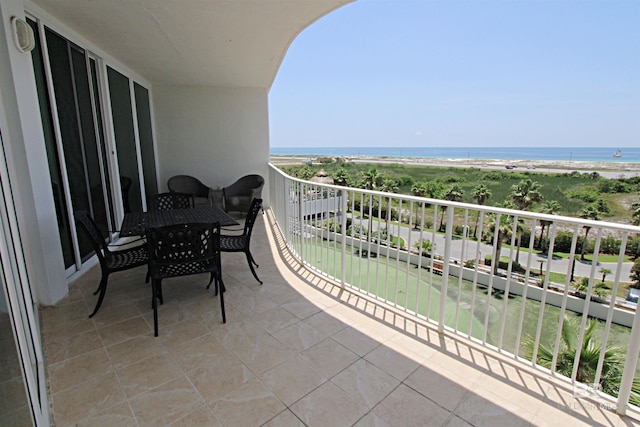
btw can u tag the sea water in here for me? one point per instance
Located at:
(566, 154)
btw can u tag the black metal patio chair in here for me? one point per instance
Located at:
(170, 200)
(239, 195)
(182, 250)
(242, 242)
(190, 185)
(110, 261)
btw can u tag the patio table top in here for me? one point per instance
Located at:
(135, 223)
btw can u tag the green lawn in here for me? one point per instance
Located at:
(380, 277)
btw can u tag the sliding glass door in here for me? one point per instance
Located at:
(97, 125)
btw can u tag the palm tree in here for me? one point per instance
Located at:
(599, 289)
(418, 189)
(371, 179)
(635, 213)
(388, 185)
(614, 358)
(503, 230)
(454, 194)
(590, 212)
(480, 194)
(425, 247)
(605, 272)
(341, 177)
(551, 207)
(524, 195)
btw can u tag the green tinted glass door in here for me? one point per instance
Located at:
(123, 126)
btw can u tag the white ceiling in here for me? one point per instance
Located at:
(230, 43)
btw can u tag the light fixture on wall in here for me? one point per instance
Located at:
(22, 35)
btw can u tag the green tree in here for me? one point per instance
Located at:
(388, 185)
(371, 179)
(305, 172)
(523, 195)
(503, 230)
(418, 189)
(613, 362)
(340, 177)
(605, 272)
(454, 194)
(480, 194)
(551, 207)
(590, 212)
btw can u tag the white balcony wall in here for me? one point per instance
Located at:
(216, 134)
(23, 142)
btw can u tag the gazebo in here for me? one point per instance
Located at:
(322, 177)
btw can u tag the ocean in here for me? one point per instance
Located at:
(568, 154)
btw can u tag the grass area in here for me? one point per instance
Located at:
(381, 277)
(419, 290)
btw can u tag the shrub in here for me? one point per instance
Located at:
(610, 245)
(635, 274)
(380, 235)
(588, 195)
(332, 225)
(504, 264)
(633, 246)
(357, 231)
(425, 247)
(405, 180)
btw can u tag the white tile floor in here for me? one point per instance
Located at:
(296, 351)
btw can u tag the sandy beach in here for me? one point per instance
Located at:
(605, 169)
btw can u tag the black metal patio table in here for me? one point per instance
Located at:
(135, 223)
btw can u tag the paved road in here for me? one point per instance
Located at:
(582, 268)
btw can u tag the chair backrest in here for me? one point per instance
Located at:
(89, 226)
(125, 186)
(252, 214)
(245, 185)
(187, 184)
(183, 249)
(166, 201)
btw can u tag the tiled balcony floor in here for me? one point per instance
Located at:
(296, 351)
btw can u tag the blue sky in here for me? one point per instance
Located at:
(463, 73)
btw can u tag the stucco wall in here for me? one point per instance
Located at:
(23, 142)
(214, 134)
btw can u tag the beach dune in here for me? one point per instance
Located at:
(605, 169)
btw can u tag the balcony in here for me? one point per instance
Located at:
(302, 349)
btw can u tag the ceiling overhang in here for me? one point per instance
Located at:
(228, 43)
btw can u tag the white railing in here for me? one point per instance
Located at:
(369, 240)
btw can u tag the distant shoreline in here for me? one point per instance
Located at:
(612, 169)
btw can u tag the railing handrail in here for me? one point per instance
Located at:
(481, 208)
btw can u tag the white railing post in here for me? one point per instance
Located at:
(343, 227)
(301, 201)
(448, 235)
(629, 372)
